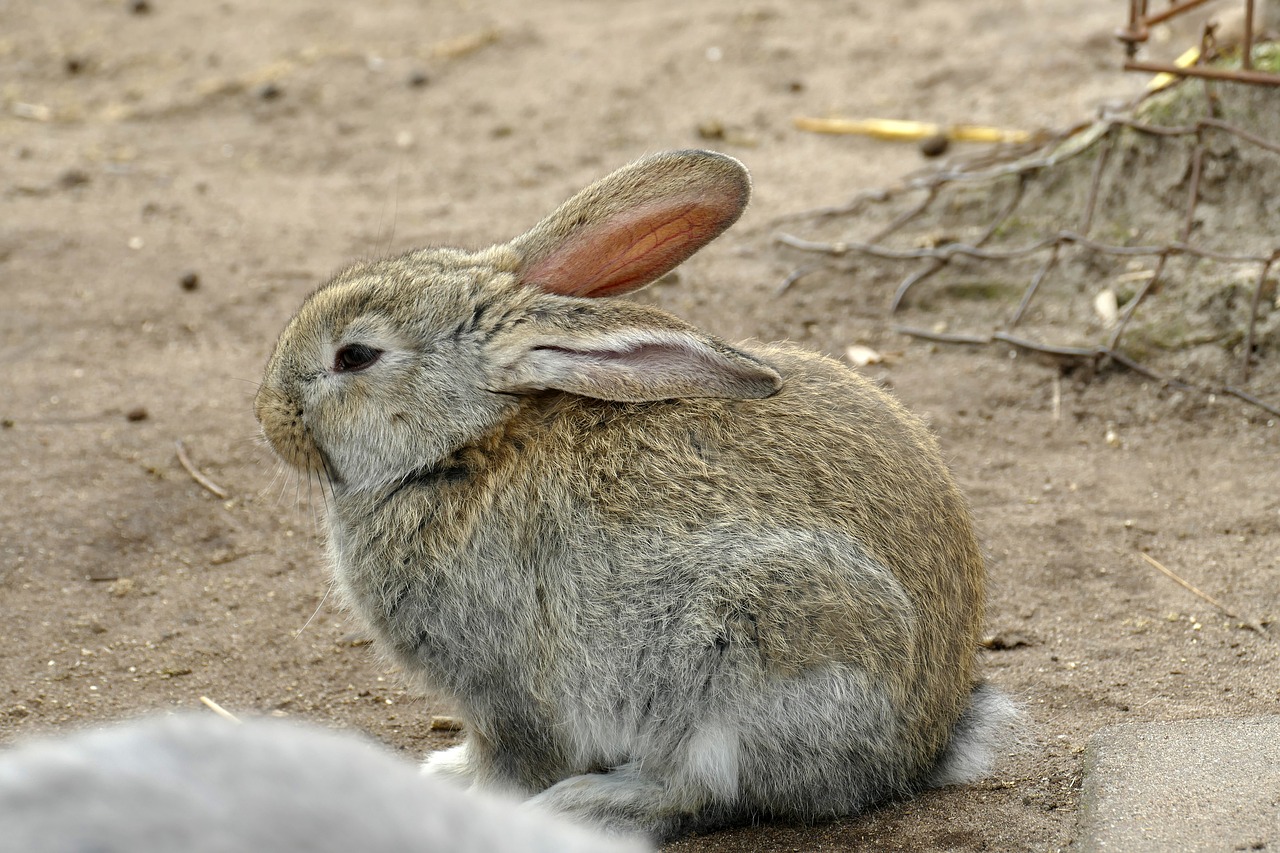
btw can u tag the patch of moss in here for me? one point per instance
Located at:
(1170, 334)
(1266, 57)
(981, 291)
(1013, 225)
(1166, 107)
(1183, 102)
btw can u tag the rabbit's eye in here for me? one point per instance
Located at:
(354, 357)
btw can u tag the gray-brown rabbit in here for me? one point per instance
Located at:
(672, 583)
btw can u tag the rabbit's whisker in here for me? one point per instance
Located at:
(328, 588)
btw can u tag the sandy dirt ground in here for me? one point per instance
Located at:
(177, 176)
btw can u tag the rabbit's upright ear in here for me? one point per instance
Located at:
(624, 352)
(631, 227)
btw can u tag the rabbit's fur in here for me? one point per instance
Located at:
(671, 582)
(203, 785)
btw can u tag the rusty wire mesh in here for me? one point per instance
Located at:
(1142, 18)
(999, 244)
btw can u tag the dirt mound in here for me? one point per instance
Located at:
(1145, 238)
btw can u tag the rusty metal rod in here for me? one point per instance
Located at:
(1036, 281)
(1257, 78)
(1246, 57)
(1136, 31)
(947, 251)
(1193, 189)
(1253, 315)
(1150, 284)
(1171, 12)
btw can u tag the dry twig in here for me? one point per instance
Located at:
(896, 130)
(1251, 624)
(195, 473)
(219, 710)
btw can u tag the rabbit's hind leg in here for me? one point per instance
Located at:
(822, 745)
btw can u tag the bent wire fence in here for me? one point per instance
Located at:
(1222, 145)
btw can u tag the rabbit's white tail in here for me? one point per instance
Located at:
(989, 726)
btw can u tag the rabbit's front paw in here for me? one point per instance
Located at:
(454, 764)
(621, 801)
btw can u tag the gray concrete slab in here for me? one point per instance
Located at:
(1183, 786)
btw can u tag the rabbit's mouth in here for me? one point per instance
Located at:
(286, 431)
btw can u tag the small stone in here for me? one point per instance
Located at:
(934, 145)
(138, 413)
(417, 78)
(140, 7)
(269, 91)
(73, 178)
(861, 356)
(1004, 641)
(711, 129)
(355, 639)
(190, 280)
(443, 723)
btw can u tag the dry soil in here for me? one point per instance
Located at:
(177, 176)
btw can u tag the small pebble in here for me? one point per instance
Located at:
(269, 91)
(189, 280)
(935, 145)
(711, 129)
(446, 724)
(73, 178)
(140, 7)
(73, 65)
(138, 413)
(417, 78)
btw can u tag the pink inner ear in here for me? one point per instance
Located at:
(631, 249)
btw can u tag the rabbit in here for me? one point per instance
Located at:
(205, 785)
(671, 583)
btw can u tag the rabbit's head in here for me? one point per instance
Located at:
(394, 364)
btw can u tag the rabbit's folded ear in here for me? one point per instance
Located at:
(634, 225)
(627, 353)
